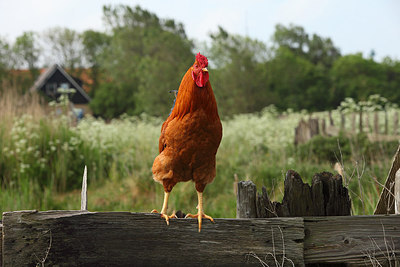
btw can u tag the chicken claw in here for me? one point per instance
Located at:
(164, 210)
(200, 214)
(165, 216)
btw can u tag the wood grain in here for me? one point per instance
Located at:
(81, 238)
(386, 201)
(352, 239)
(325, 197)
(1, 244)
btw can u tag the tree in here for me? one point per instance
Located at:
(66, 47)
(294, 81)
(27, 51)
(317, 49)
(239, 77)
(356, 77)
(146, 58)
(94, 45)
(6, 60)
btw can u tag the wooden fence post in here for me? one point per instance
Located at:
(325, 197)
(330, 118)
(342, 121)
(397, 192)
(84, 190)
(367, 123)
(386, 203)
(396, 123)
(376, 123)
(1, 244)
(353, 122)
(246, 200)
(314, 127)
(323, 127)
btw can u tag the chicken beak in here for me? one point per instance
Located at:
(204, 69)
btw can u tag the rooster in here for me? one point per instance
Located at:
(189, 138)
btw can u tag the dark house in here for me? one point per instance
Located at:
(56, 77)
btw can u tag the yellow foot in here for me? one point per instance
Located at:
(189, 215)
(165, 216)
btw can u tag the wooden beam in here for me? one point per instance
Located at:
(386, 201)
(1, 244)
(397, 192)
(358, 240)
(76, 238)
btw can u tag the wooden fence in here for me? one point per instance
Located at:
(359, 122)
(83, 238)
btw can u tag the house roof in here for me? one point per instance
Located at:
(43, 78)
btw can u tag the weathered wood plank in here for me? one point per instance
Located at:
(1, 244)
(386, 201)
(73, 238)
(359, 240)
(325, 197)
(397, 192)
(246, 200)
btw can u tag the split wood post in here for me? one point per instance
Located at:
(386, 203)
(386, 122)
(342, 121)
(376, 123)
(396, 123)
(353, 122)
(397, 192)
(330, 118)
(313, 124)
(325, 197)
(360, 123)
(1, 244)
(367, 123)
(246, 200)
(323, 127)
(84, 190)
(302, 133)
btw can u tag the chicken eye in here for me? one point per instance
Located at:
(165, 145)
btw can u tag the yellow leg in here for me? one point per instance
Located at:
(200, 213)
(164, 209)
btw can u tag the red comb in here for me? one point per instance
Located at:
(202, 60)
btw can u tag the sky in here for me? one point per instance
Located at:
(353, 25)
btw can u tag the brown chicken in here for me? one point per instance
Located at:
(190, 138)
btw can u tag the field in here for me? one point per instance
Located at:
(43, 156)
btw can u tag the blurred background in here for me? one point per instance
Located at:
(87, 83)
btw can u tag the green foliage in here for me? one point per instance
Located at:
(94, 45)
(239, 77)
(66, 47)
(41, 162)
(141, 57)
(146, 58)
(27, 51)
(347, 148)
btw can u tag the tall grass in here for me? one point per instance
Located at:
(43, 156)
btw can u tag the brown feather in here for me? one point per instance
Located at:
(189, 138)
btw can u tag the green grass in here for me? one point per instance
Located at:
(42, 161)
